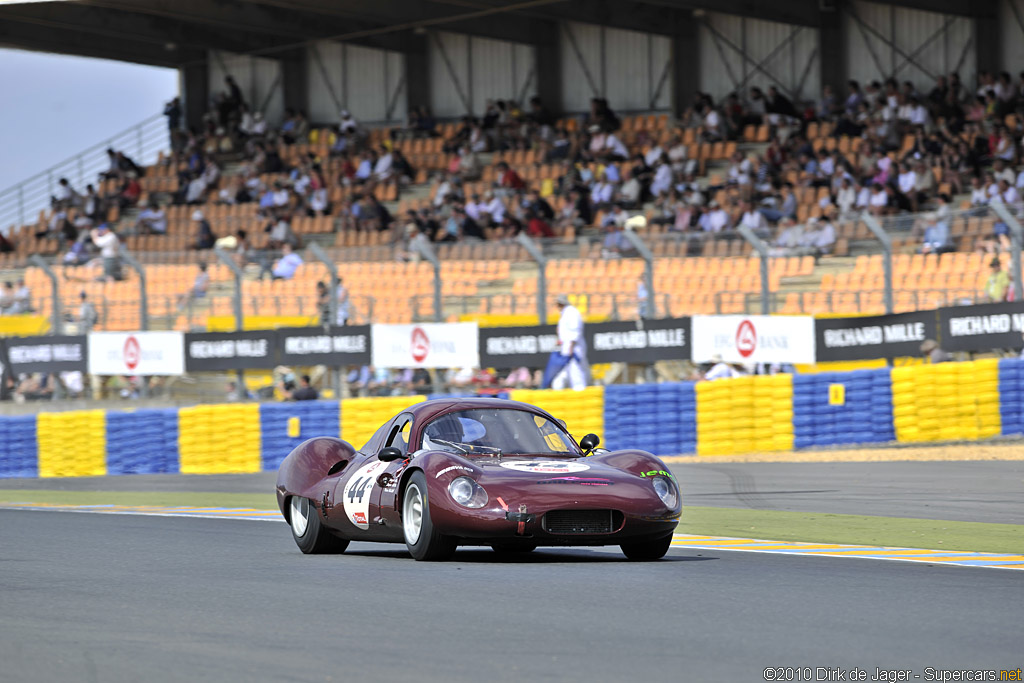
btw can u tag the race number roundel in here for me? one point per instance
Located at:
(355, 497)
(132, 352)
(746, 338)
(420, 344)
(545, 466)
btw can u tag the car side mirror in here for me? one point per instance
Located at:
(390, 454)
(589, 443)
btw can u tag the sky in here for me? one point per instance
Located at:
(66, 104)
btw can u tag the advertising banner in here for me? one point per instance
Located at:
(136, 353)
(982, 327)
(426, 345)
(515, 347)
(230, 350)
(753, 338)
(638, 341)
(334, 346)
(47, 354)
(877, 336)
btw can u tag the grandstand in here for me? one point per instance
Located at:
(604, 74)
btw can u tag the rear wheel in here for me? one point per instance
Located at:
(422, 540)
(647, 550)
(309, 534)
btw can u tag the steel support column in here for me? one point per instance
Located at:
(427, 252)
(39, 262)
(537, 255)
(648, 257)
(766, 283)
(879, 232)
(226, 259)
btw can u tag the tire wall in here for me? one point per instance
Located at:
(925, 403)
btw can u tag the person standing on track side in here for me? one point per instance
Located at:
(572, 346)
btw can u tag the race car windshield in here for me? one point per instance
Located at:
(497, 432)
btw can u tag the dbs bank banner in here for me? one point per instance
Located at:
(136, 353)
(753, 338)
(426, 345)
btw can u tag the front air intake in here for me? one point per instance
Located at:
(575, 522)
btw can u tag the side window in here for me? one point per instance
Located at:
(399, 435)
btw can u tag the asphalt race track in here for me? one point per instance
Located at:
(976, 491)
(89, 597)
(122, 598)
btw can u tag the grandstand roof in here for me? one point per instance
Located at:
(177, 33)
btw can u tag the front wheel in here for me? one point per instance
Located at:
(309, 534)
(647, 550)
(422, 540)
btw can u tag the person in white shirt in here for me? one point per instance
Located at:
(65, 194)
(152, 220)
(718, 219)
(846, 197)
(382, 169)
(879, 201)
(824, 239)
(343, 303)
(347, 124)
(789, 239)
(601, 193)
(572, 345)
(979, 195)
(720, 369)
(286, 266)
(653, 155)
(662, 178)
(494, 208)
(259, 124)
(1007, 193)
(753, 219)
(110, 251)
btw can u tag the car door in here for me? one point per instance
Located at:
(385, 492)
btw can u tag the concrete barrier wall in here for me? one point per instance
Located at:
(950, 401)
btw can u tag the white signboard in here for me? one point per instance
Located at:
(136, 353)
(753, 338)
(427, 345)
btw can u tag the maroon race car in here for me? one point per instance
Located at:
(476, 471)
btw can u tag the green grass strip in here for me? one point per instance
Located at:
(773, 525)
(258, 501)
(816, 527)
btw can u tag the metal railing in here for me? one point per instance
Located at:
(20, 204)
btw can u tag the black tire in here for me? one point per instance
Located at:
(645, 551)
(513, 548)
(313, 538)
(424, 542)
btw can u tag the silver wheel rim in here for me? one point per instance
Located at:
(299, 515)
(412, 514)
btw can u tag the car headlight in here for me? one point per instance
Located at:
(467, 492)
(666, 490)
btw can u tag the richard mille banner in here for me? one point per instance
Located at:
(334, 346)
(878, 336)
(514, 347)
(229, 350)
(982, 327)
(47, 354)
(638, 341)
